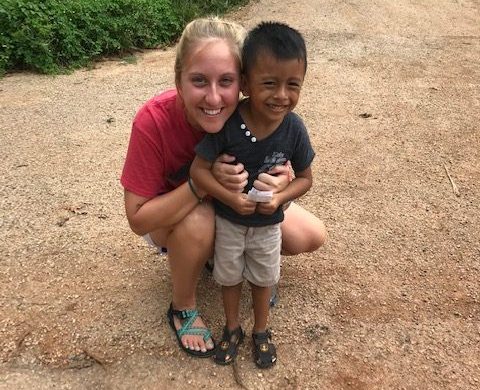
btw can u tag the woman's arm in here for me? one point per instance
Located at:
(201, 173)
(235, 178)
(275, 180)
(145, 215)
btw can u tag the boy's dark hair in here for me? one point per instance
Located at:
(277, 39)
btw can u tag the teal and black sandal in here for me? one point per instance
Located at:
(187, 317)
(264, 352)
(227, 349)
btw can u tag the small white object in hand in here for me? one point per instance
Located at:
(259, 196)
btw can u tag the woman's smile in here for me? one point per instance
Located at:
(209, 86)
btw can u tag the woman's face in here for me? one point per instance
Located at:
(209, 85)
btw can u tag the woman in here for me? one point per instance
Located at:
(165, 207)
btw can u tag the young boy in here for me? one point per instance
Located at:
(261, 133)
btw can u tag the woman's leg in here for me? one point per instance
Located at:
(301, 231)
(189, 244)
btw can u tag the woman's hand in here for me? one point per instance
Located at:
(276, 179)
(233, 177)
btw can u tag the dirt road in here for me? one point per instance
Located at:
(392, 102)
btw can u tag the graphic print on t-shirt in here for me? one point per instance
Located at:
(276, 158)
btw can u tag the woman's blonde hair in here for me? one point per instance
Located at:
(208, 28)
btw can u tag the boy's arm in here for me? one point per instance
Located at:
(297, 187)
(202, 176)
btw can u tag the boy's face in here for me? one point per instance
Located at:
(273, 86)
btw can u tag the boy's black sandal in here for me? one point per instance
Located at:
(264, 352)
(187, 317)
(227, 349)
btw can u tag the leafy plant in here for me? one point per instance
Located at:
(54, 36)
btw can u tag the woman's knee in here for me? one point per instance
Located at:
(302, 244)
(318, 236)
(198, 227)
(302, 231)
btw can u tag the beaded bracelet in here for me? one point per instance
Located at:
(190, 184)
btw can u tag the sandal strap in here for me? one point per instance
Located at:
(262, 337)
(265, 351)
(206, 333)
(227, 334)
(183, 314)
(186, 329)
(227, 349)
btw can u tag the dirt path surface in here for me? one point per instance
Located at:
(392, 102)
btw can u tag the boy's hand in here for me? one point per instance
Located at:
(268, 208)
(242, 205)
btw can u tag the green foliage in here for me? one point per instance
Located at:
(191, 9)
(52, 36)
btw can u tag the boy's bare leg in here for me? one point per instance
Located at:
(274, 296)
(231, 305)
(261, 298)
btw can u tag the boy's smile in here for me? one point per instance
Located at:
(273, 86)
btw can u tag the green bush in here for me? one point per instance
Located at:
(52, 36)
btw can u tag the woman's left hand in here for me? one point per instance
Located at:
(233, 177)
(275, 180)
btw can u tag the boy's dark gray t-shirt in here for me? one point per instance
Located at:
(289, 141)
